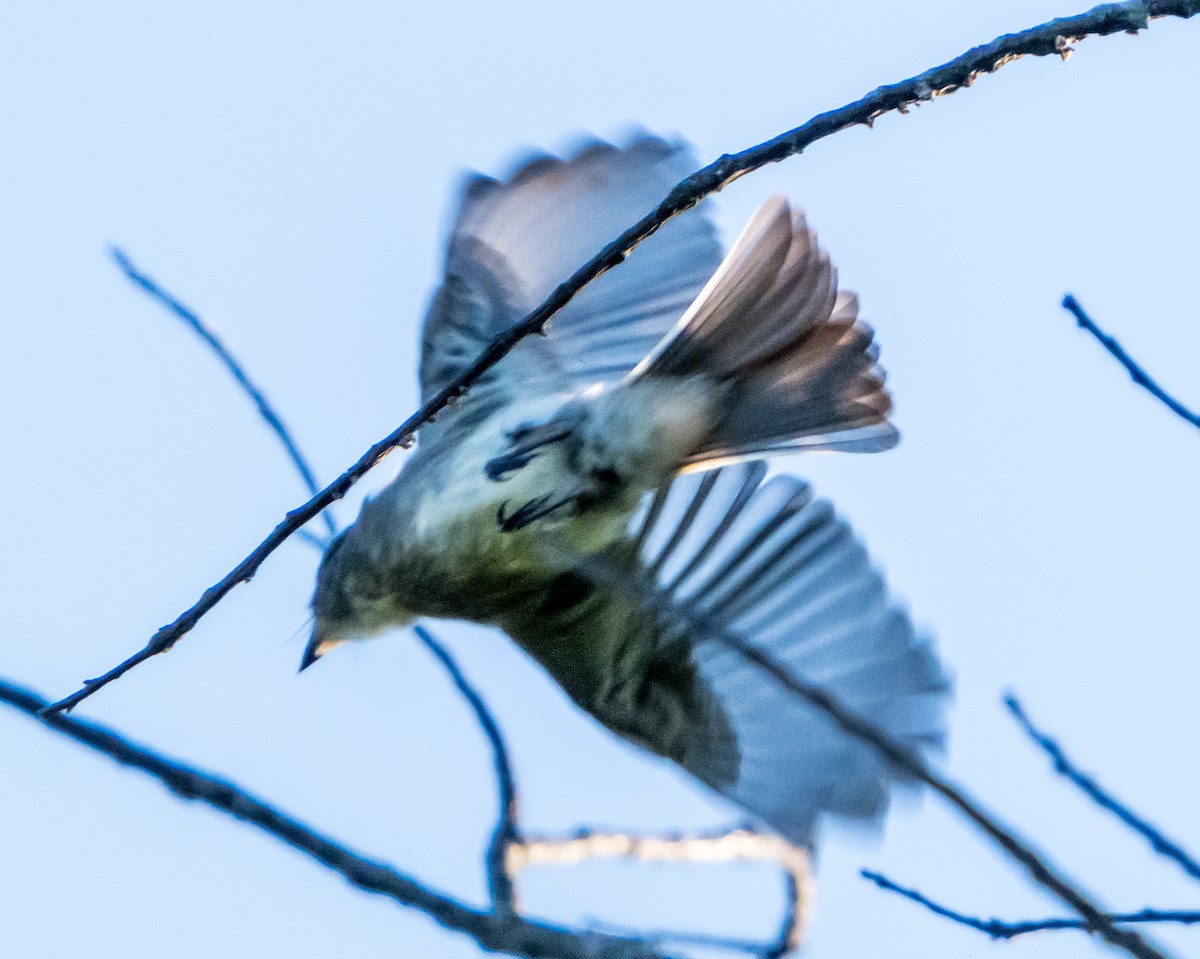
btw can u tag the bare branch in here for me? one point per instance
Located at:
(495, 931)
(998, 929)
(740, 844)
(206, 333)
(1136, 373)
(506, 832)
(1049, 39)
(1094, 791)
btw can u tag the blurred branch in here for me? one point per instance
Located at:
(1094, 791)
(740, 844)
(999, 929)
(506, 832)
(1139, 375)
(265, 408)
(674, 615)
(499, 882)
(1053, 38)
(681, 937)
(495, 931)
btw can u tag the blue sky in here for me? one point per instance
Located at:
(286, 168)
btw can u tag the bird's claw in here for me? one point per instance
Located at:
(535, 509)
(524, 443)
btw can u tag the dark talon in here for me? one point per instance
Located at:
(525, 441)
(535, 509)
(498, 467)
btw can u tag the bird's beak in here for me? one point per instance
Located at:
(318, 646)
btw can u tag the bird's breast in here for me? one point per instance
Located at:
(462, 564)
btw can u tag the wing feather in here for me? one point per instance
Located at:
(776, 567)
(515, 239)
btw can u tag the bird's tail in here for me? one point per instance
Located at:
(800, 365)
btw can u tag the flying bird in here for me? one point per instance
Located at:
(630, 440)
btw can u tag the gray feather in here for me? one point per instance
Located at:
(772, 565)
(514, 240)
(772, 321)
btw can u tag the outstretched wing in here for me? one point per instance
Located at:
(514, 240)
(772, 565)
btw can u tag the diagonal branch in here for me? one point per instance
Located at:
(673, 614)
(1105, 800)
(1039, 870)
(495, 931)
(499, 881)
(1049, 39)
(506, 832)
(265, 408)
(998, 929)
(1132, 367)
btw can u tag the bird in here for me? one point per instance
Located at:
(621, 457)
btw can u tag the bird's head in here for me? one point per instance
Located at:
(352, 599)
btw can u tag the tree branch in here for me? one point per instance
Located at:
(1136, 373)
(265, 408)
(674, 615)
(506, 832)
(1094, 791)
(1052, 38)
(495, 931)
(998, 929)
(740, 844)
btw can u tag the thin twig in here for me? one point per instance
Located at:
(999, 929)
(1094, 791)
(1135, 370)
(506, 832)
(265, 408)
(506, 829)
(675, 615)
(1049, 39)
(739, 844)
(797, 896)
(494, 931)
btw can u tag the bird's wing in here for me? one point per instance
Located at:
(515, 239)
(777, 568)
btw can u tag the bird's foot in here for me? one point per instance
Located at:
(535, 509)
(524, 444)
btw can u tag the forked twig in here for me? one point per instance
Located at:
(1053, 38)
(999, 929)
(1101, 797)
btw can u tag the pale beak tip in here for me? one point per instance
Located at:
(312, 652)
